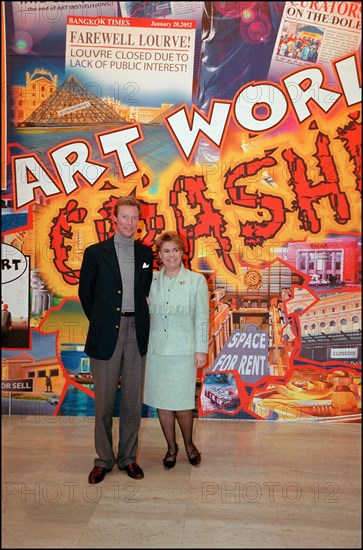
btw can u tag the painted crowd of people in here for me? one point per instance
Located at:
(299, 46)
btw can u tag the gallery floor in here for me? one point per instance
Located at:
(260, 485)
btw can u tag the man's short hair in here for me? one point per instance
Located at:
(128, 201)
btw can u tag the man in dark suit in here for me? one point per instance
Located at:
(114, 284)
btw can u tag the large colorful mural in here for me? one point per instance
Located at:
(237, 124)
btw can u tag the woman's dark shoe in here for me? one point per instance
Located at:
(194, 457)
(169, 459)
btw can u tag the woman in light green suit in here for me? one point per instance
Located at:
(178, 344)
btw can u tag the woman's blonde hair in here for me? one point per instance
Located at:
(167, 237)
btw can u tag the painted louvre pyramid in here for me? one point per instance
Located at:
(73, 105)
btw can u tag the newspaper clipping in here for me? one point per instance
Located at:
(124, 59)
(316, 32)
(36, 18)
(169, 10)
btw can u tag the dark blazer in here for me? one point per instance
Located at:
(100, 292)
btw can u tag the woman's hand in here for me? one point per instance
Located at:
(200, 359)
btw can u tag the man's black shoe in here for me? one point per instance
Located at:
(97, 474)
(133, 470)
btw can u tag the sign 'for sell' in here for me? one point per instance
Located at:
(19, 385)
